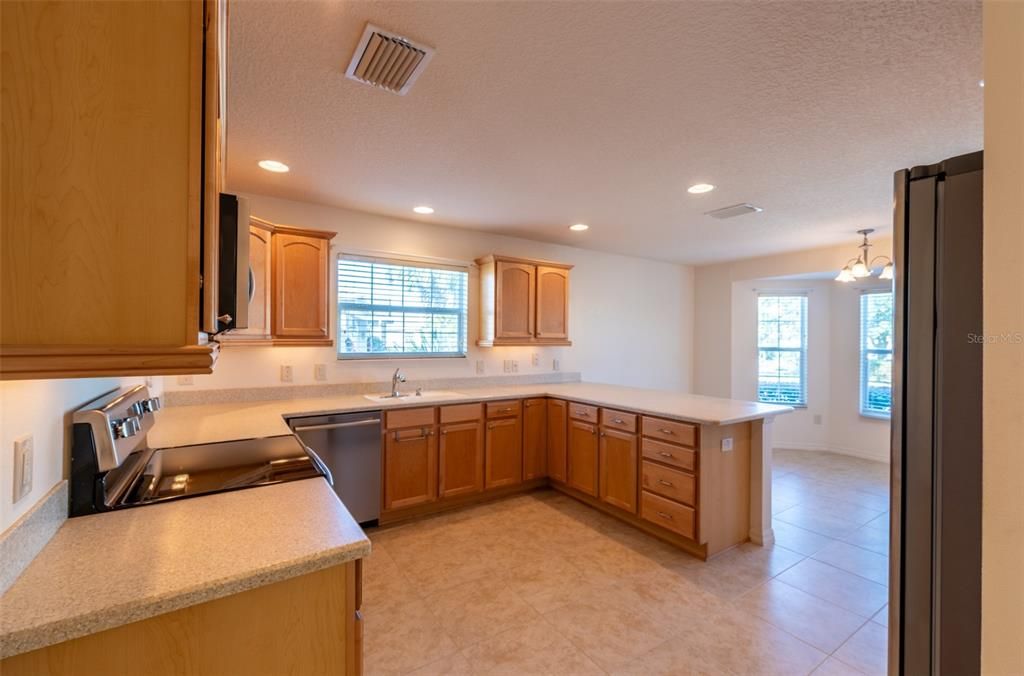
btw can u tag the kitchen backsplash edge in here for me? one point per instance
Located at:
(248, 394)
(27, 536)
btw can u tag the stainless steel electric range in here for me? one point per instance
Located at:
(112, 466)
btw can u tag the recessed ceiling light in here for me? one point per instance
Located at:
(423, 210)
(274, 166)
(698, 188)
(579, 227)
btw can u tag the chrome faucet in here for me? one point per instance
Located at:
(398, 377)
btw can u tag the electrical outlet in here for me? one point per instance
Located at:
(186, 380)
(320, 372)
(23, 465)
(515, 366)
(817, 418)
(479, 367)
(506, 366)
(535, 359)
(286, 373)
(727, 445)
(556, 365)
(149, 382)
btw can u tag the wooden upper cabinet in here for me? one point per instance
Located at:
(410, 467)
(618, 469)
(503, 462)
(556, 446)
(552, 303)
(535, 439)
(300, 311)
(461, 459)
(523, 302)
(582, 457)
(103, 204)
(260, 250)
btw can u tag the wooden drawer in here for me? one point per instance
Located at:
(619, 420)
(669, 430)
(504, 409)
(670, 454)
(668, 514)
(459, 412)
(410, 417)
(583, 412)
(669, 483)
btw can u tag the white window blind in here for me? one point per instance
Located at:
(876, 336)
(782, 348)
(390, 308)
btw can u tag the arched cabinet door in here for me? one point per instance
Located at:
(300, 285)
(515, 300)
(552, 303)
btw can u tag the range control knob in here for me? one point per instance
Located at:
(151, 405)
(126, 427)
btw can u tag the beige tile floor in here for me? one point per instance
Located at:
(541, 584)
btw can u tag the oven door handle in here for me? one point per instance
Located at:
(320, 464)
(334, 426)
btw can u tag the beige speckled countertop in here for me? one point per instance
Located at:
(182, 425)
(106, 570)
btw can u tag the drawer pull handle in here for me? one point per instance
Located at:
(618, 421)
(665, 483)
(665, 455)
(665, 430)
(582, 414)
(507, 409)
(665, 515)
(424, 433)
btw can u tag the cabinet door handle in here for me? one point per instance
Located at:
(424, 433)
(603, 434)
(665, 455)
(665, 483)
(665, 515)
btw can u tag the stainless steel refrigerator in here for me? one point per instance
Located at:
(935, 536)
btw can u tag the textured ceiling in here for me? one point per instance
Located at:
(533, 116)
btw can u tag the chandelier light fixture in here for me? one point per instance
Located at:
(860, 267)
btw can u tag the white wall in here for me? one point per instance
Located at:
(43, 409)
(630, 319)
(1002, 602)
(725, 338)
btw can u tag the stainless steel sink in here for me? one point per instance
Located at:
(427, 395)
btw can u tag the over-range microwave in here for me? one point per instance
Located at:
(235, 283)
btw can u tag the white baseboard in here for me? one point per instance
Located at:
(878, 455)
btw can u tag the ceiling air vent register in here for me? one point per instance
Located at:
(387, 60)
(733, 211)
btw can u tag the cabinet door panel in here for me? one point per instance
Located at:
(618, 469)
(259, 266)
(557, 439)
(503, 464)
(516, 291)
(461, 459)
(410, 468)
(535, 439)
(583, 457)
(300, 286)
(552, 303)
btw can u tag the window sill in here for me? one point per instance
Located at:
(779, 403)
(876, 416)
(404, 357)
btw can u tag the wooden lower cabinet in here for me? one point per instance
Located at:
(557, 415)
(410, 467)
(618, 469)
(582, 457)
(535, 439)
(304, 625)
(461, 459)
(503, 461)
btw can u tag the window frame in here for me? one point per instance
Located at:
(409, 262)
(802, 350)
(864, 351)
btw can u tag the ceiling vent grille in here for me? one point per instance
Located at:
(733, 211)
(388, 61)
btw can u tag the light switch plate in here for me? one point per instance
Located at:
(186, 380)
(286, 373)
(556, 365)
(727, 445)
(535, 359)
(24, 457)
(320, 372)
(479, 367)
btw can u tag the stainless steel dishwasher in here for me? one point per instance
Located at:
(349, 445)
